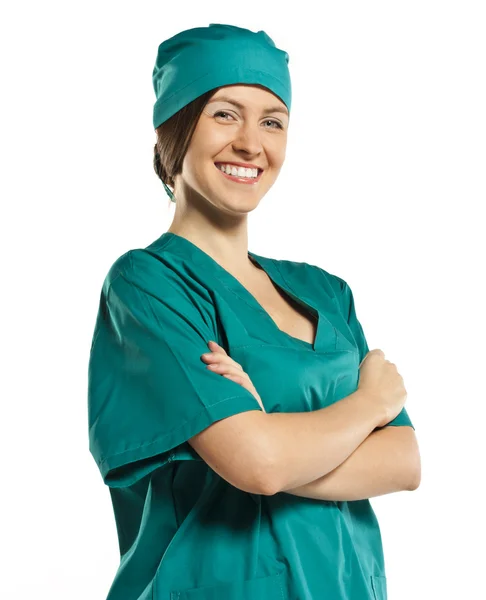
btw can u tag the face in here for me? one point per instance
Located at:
(242, 124)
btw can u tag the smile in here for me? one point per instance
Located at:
(236, 179)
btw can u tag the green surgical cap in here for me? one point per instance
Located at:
(198, 60)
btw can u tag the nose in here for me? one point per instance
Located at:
(248, 139)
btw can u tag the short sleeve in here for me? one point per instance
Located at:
(349, 308)
(149, 391)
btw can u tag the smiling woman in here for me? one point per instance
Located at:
(212, 124)
(215, 469)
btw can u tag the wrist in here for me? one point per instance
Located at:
(376, 409)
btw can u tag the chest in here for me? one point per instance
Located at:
(298, 360)
(287, 314)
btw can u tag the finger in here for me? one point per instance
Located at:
(222, 368)
(236, 378)
(215, 347)
(216, 357)
(240, 379)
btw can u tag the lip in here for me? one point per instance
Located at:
(239, 164)
(236, 179)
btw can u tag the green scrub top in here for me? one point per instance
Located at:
(184, 532)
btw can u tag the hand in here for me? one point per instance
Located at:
(382, 385)
(220, 362)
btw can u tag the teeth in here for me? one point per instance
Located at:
(238, 171)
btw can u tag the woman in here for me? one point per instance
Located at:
(215, 373)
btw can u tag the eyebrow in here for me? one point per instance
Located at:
(269, 109)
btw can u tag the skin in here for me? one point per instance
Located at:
(387, 461)
(212, 211)
(220, 362)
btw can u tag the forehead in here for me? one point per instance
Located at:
(243, 95)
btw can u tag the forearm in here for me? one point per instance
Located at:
(384, 463)
(306, 446)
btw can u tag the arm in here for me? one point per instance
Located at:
(387, 461)
(308, 445)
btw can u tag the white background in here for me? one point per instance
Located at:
(383, 185)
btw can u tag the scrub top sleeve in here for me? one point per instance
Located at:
(349, 308)
(148, 389)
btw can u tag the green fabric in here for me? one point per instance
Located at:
(184, 532)
(197, 60)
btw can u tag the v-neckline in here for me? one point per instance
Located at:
(231, 282)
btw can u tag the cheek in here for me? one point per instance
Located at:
(210, 138)
(196, 174)
(276, 154)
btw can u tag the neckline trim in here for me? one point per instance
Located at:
(202, 258)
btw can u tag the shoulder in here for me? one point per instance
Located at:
(153, 272)
(134, 265)
(312, 276)
(162, 282)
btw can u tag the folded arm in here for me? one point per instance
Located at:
(387, 461)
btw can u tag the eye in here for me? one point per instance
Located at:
(278, 125)
(221, 112)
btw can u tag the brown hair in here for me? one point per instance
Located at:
(174, 137)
